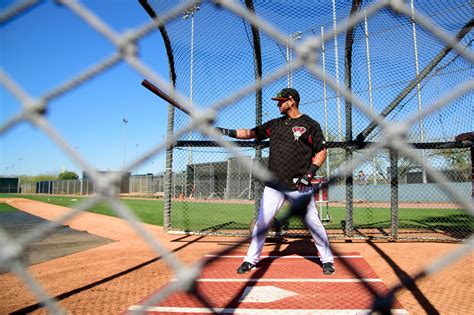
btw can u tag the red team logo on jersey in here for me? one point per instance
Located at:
(298, 131)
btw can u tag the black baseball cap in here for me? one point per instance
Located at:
(285, 94)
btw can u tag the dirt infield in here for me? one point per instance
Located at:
(112, 277)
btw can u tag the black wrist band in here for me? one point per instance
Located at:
(228, 132)
(232, 133)
(313, 168)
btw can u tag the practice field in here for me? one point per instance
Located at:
(238, 216)
(112, 278)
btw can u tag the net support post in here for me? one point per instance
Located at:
(394, 193)
(349, 223)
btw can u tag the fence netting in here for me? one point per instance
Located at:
(390, 83)
(391, 63)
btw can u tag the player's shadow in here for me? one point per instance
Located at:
(303, 247)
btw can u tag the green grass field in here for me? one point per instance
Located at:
(202, 216)
(6, 208)
(149, 211)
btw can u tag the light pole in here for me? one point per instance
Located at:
(369, 79)
(417, 71)
(125, 122)
(19, 166)
(190, 13)
(289, 56)
(336, 57)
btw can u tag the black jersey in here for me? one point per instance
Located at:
(293, 143)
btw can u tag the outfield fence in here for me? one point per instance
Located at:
(241, 188)
(391, 81)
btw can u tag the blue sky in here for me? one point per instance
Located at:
(49, 45)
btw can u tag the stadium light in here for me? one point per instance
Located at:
(190, 12)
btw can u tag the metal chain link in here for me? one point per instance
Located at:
(127, 51)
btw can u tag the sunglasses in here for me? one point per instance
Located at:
(281, 95)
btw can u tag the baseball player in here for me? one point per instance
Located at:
(297, 151)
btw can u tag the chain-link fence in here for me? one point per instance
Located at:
(396, 82)
(389, 81)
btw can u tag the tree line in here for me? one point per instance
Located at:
(65, 175)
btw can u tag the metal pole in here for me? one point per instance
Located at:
(125, 122)
(19, 166)
(348, 115)
(191, 68)
(169, 133)
(369, 77)
(211, 182)
(187, 14)
(289, 55)
(257, 51)
(394, 192)
(174, 184)
(325, 96)
(418, 86)
(336, 53)
(250, 178)
(195, 186)
(288, 61)
(227, 190)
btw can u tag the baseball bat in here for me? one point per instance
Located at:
(155, 90)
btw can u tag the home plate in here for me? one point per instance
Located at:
(264, 294)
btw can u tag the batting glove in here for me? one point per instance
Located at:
(305, 181)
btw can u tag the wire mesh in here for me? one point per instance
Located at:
(397, 67)
(289, 59)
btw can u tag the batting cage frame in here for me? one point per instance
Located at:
(398, 223)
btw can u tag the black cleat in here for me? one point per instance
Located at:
(245, 267)
(328, 268)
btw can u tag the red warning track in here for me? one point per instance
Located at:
(281, 284)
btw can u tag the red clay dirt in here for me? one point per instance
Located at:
(111, 278)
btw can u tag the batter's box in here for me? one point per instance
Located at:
(281, 284)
